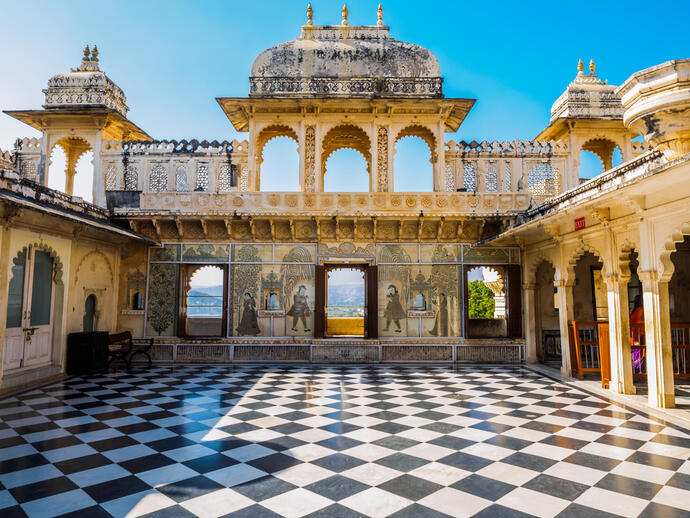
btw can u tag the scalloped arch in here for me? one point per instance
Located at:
(272, 132)
(596, 146)
(534, 265)
(677, 235)
(422, 132)
(103, 256)
(345, 136)
(57, 264)
(581, 250)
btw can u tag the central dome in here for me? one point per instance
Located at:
(346, 61)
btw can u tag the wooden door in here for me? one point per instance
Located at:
(39, 336)
(16, 313)
(604, 353)
(320, 302)
(372, 300)
(29, 335)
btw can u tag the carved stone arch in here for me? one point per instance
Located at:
(534, 265)
(603, 147)
(424, 133)
(100, 254)
(345, 136)
(581, 250)
(677, 235)
(269, 133)
(74, 147)
(623, 257)
(57, 264)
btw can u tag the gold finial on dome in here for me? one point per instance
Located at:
(310, 15)
(94, 53)
(580, 68)
(345, 13)
(591, 67)
(379, 12)
(87, 51)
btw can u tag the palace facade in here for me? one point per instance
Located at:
(566, 261)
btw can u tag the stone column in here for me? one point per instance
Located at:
(619, 334)
(98, 195)
(530, 308)
(657, 325)
(565, 315)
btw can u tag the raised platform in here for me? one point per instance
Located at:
(339, 350)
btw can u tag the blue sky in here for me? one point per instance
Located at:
(173, 58)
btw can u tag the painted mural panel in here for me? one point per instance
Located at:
(420, 300)
(205, 253)
(395, 253)
(169, 252)
(291, 253)
(252, 253)
(274, 299)
(246, 299)
(439, 253)
(162, 302)
(486, 255)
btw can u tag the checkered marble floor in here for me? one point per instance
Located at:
(334, 441)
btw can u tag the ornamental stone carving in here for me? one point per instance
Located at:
(382, 161)
(310, 158)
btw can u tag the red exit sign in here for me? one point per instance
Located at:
(580, 223)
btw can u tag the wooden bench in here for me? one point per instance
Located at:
(122, 347)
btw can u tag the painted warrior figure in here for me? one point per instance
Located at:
(394, 311)
(249, 326)
(300, 308)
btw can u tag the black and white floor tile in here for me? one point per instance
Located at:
(334, 441)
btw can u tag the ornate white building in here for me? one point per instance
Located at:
(567, 258)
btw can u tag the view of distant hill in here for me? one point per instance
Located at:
(346, 295)
(206, 301)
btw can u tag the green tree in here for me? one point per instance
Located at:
(481, 303)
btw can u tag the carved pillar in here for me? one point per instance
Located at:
(530, 322)
(565, 315)
(382, 160)
(619, 334)
(308, 177)
(438, 159)
(657, 326)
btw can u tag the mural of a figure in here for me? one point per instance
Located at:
(249, 326)
(394, 311)
(300, 308)
(441, 325)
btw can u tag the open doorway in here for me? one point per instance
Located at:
(486, 302)
(346, 301)
(204, 301)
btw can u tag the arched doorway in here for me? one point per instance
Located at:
(589, 331)
(546, 316)
(89, 320)
(486, 302)
(346, 301)
(204, 308)
(29, 325)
